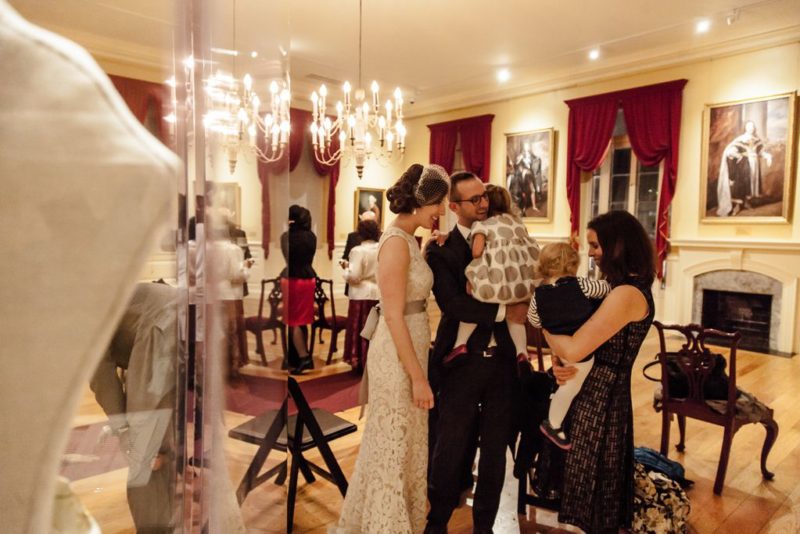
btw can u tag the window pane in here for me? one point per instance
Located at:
(647, 198)
(622, 161)
(595, 193)
(618, 199)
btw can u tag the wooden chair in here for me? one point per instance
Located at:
(697, 362)
(535, 339)
(323, 321)
(271, 293)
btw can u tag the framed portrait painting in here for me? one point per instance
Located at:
(746, 167)
(529, 173)
(369, 200)
(228, 196)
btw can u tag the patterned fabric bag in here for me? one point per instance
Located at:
(660, 506)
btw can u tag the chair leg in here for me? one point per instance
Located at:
(522, 491)
(260, 347)
(723, 460)
(772, 434)
(682, 429)
(665, 421)
(313, 337)
(274, 337)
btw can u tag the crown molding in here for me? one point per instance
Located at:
(150, 62)
(629, 65)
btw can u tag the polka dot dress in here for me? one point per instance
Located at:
(504, 273)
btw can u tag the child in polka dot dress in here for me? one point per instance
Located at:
(504, 265)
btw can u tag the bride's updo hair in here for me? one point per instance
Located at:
(418, 186)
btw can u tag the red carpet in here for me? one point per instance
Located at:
(253, 395)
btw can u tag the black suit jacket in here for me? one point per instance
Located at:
(353, 240)
(450, 289)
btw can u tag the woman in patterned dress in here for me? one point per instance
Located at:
(597, 479)
(387, 492)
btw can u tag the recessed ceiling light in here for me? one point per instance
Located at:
(702, 26)
(594, 53)
(254, 54)
(503, 75)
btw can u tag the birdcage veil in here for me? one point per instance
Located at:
(433, 185)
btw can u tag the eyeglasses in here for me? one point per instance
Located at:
(476, 199)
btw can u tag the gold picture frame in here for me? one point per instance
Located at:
(530, 173)
(369, 199)
(746, 169)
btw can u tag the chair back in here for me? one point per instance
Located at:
(535, 339)
(271, 293)
(323, 293)
(697, 362)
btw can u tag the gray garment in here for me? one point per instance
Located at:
(142, 397)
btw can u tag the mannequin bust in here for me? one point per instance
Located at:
(86, 191)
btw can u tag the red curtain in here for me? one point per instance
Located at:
(653, 118)
(332, 170)
(300, 119)
(140, 96)
(476, 145)
(442, 149)
(591, 123)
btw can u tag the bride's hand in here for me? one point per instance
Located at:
(421, 393)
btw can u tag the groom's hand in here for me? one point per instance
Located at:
(517, 313)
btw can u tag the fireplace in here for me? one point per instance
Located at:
(743, 301)
(747, 313)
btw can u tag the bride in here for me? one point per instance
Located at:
(387, 492)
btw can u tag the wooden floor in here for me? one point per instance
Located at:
(748, 504)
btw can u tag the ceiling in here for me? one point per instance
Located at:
(443, 53)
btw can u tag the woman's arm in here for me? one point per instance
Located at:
(393, 262)
(623, 305)
(478, 243)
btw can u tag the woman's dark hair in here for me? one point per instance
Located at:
(368, 231)
(499, 200)
(627, 249)
(418, 186)
(299, 218)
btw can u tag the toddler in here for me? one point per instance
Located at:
(503, 267)
(560, 305)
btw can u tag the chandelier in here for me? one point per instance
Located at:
(234, 113)
(235, 116)
(364, 128)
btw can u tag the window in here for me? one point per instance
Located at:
(626, 184)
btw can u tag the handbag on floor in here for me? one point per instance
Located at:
(660, 506)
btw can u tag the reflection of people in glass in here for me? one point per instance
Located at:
(135, 386)
(740, 172)
(526, 185)
(298, 283)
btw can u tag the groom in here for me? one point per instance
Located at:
(475, 390)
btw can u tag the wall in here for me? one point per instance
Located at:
(758, 73)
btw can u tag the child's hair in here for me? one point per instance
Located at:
(557, 259)
(499, 200)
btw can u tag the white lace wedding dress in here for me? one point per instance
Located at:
(387, 492)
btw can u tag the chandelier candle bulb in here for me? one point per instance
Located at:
(375, 100)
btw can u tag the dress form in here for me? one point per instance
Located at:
(85, 192)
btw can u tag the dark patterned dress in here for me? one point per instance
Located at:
(595, 478)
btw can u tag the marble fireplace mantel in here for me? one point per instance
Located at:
(777, 259)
